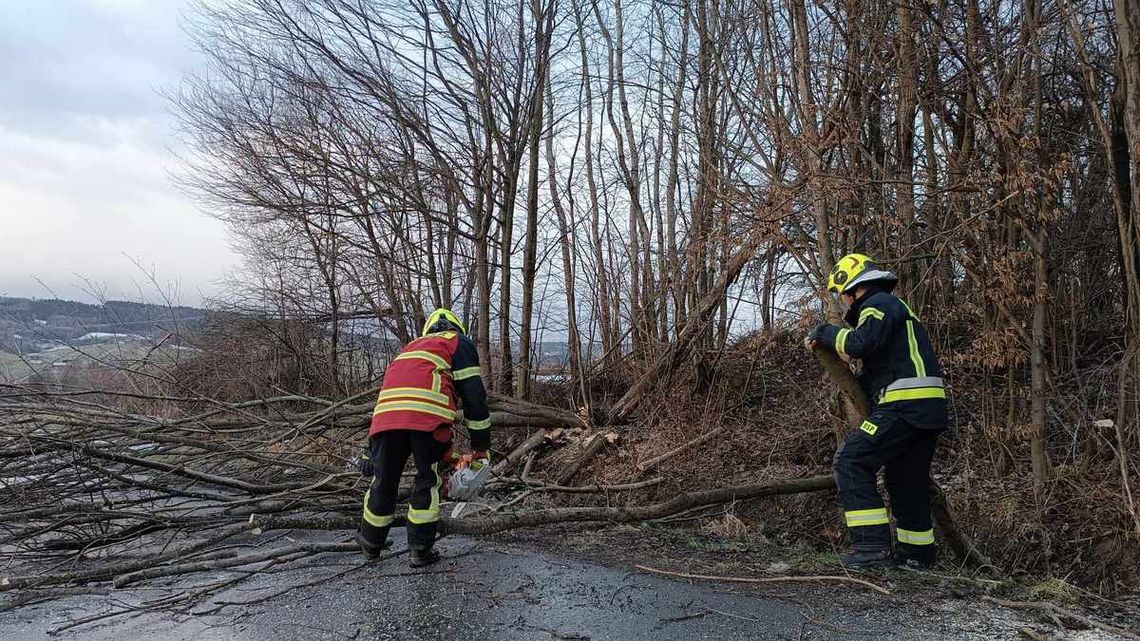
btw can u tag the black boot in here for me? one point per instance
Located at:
(919, 557)
(369, 548)
(421, 558)
(865, 557)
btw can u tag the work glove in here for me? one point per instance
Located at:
(816, 334)
(475, 460)
(364, 464)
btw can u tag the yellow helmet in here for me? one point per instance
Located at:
(442, 314)
(858, 269)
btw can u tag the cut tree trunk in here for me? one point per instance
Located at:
(595, 445)
(503, 522)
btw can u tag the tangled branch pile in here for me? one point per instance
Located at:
(97, 493)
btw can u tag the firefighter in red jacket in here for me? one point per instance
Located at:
(413, 417)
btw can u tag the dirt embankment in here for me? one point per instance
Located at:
(764, 411)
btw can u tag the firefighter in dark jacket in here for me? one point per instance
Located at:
(903, 381)
(413, 417)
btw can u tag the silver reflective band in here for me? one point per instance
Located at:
(868, 276)
(915, 382)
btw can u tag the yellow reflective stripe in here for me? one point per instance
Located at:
(413, 406)
(915, 394)
(378, 520)
(876, 516)
(870, 312)
(419, 517)
(915, 357)
(925, 537)
(466, 372)
(435, 489)
(414, 392)
(424, 356)
(431, 514)
(479, 425)
(841, 341)
(908, 309)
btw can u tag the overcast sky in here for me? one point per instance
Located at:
(87, 145)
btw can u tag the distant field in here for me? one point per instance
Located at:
(15, 368)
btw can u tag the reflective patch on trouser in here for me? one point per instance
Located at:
(859, 518)
(903, 452)
(430, 514)
(925, 537)
(375, 520)
(423, 506)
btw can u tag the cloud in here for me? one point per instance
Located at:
(87, 145)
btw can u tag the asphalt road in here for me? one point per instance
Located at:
(483, 593)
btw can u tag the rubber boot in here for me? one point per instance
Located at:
(861, 557)
(422, 558)
(369, 548)
(919, 557)
(421, 541)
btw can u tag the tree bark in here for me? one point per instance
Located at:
(500, 523)
(543, 23)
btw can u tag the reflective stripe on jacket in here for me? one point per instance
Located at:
(899, 364)
(424, 381)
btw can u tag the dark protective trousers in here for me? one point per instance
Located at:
(389, 452)
(886, 441)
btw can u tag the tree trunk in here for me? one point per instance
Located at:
(566, 240)
(1037, 364)
(1128, 36)
(601, 273)
(543, 19)
(808, 115)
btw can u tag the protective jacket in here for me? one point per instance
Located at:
(899, 365)
(423, 383)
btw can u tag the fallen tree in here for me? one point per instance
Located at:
(88, 482)
(118, 497)
(502, 522)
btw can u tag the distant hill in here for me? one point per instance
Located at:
(34, 325)
(39, 336)
(114, 314)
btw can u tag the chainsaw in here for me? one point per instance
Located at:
(467, 478)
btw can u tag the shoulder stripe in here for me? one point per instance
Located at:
(424, 355)
(870, 312)
(915, 355)
(908, 309)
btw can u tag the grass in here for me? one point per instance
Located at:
(1053, 589)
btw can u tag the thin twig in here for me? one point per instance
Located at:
(1055, 610)
(768, 579)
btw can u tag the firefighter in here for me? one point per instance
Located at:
(413, 417)
(903, 381)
